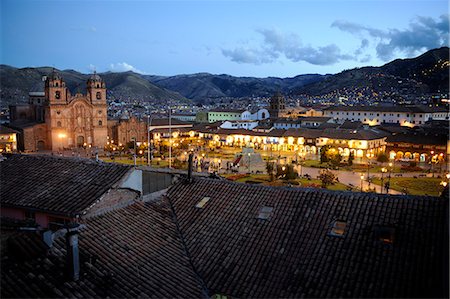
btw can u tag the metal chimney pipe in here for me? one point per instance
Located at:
(191, 155)
(72, 257)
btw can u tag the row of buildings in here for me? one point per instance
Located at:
(56, 120)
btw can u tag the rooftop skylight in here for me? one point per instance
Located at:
(202, 203)
(338, 228)
(265, 212)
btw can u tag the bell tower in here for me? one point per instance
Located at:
(55, 89)
(277, 105)
(96, 89)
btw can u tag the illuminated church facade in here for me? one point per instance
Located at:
(56, 119)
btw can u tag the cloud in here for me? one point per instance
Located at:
(423, 33)
(92, 67)
(356, 29)
(276, 44)
(124, 67)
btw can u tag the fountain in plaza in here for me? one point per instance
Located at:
(249, 159)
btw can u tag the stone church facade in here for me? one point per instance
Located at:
(58, 120)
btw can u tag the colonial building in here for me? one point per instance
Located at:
(409, 116)
(233, 114)
(125, 130)
(8, 140)
(57, 190)
(60, 120)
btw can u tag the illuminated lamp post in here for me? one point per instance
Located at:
(134, 152)
(362, 179)
(431, 163)
(383, 170)
(248, 154)
(149, 148)
(389, 177)
(368, 169)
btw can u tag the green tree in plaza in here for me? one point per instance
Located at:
(330, 155)
(291, 174)
(324, 154)
(351, 157)
(382, 157)
(326, 177)
(335, 158)
(270, 168)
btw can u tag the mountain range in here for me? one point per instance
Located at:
(427, 73)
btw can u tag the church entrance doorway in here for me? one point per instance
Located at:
(40, 145)
(80, 141)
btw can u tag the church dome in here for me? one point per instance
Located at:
(54, 75)
(95, 77)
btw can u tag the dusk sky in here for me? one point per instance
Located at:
(240, 38)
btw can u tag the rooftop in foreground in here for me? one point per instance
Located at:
(219, 237)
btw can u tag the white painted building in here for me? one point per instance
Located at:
(301, 122)
(240, 124)
(231, 115)
(372, 115)
(184, 117)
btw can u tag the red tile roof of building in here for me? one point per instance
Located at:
(132, 252)
(292, 253)
(391, 246)
(64, 186)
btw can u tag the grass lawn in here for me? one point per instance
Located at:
(419, 186)
(355, 167)
(139, 162)
(264, 179)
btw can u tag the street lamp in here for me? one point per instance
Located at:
(149, 155)
(431, 163)
(248, 154)
(362, 179)
(383, 170)
(368, 167)
(134, 151)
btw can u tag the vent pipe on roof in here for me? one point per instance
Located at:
(72, 258)
(191, 155)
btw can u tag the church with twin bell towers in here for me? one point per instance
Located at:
(60, 120)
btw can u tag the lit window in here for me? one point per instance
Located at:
(338, 228)
(202, 203)
(265, 212)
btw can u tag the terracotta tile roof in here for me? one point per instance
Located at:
(411, 109)
(128, 253)
(6, 130)
(64, 186)
(165, 122)
(292, 253)
(303, 132)
(418, 138)
(363, 134)
(313, 243)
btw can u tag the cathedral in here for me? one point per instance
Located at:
(55, 120)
